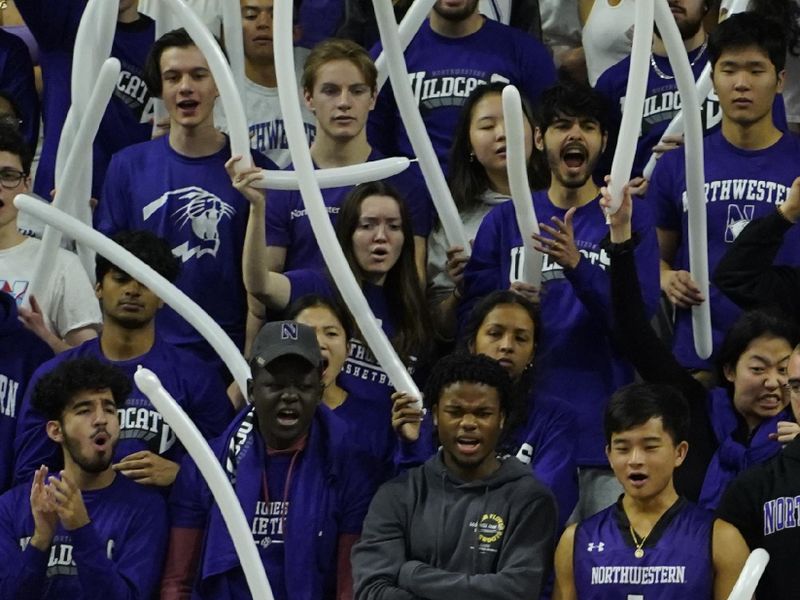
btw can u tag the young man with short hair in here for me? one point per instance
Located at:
(292, 465)
(749, 168)
(66, 314)
(85, 532)
(148, 452)
(176, 186)
(467, 524)
(652, 543)
(575, 357)
(261, 105)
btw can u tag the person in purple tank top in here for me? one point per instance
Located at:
(652, 544)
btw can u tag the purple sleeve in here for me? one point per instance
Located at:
(483, 271)
(411, 185)
(661, 192)
(17, 79)
(19, 569)
(383, 122)
(135, 570)
(110, 215)
(279, 206)
(358, 488)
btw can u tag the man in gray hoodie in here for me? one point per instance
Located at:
(467, 524)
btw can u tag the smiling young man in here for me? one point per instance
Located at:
(176, 186)
(749, 168)
(652, 543)
(575, 359)
(294, 471)
(467, 524)
(148, 452)
(85, 532)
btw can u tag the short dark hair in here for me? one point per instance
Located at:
(637, 403)
(472, 368)
(747, 29)
(147, 247)
(749, 326)
(11, 141)
(317, 301)
(151, 73)
(55, 390)
(568, 98)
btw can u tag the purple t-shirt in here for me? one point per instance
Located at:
(127, 118)
(676, 561)
(119, 554)
(662, 102)
(741, 185)
(190, 203)
(288, 225)
(444, 71)
(196, 387)
(575, 357)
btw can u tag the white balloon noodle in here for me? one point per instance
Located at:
(634, 102)
(695, 174)
(218, 483)
(336, 176)
(318, 214)
(751, 573)
(413, 19)
(73, 195)
(420, 141)
(704, 86)
(168, 292)
(234, 44)
(516, 164)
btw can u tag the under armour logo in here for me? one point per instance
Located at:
(289, 331)
(591, 546)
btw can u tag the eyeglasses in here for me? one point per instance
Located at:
(11, 178)
(794, 387)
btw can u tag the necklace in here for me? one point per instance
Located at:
(663, 75)
(638, 553)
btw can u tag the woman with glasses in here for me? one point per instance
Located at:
(733, 426)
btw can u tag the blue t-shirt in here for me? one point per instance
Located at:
(119, 554)
(288, 224)
(444, 71)
(575, 358)
(190, 203)
(662, 102)
(21, 353)
(741, 185)
(196, 387)
(127, 119)
(676, 562)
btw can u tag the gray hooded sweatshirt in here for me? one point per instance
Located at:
(429, 535)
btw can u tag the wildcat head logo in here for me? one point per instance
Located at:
(202, 210)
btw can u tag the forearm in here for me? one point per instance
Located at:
(26, 571)
(255, 256)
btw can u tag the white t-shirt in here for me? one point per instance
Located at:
(264, 117)
(209, 11)
(69, 302)
(607, 36)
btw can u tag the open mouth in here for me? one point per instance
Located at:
(501, 151)
(188, 104)
(574, 156)
(288, 417)
(638, 479)
(324, 365)
(379, 253)
(100, 441)
(467, 445)
(770, 401)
